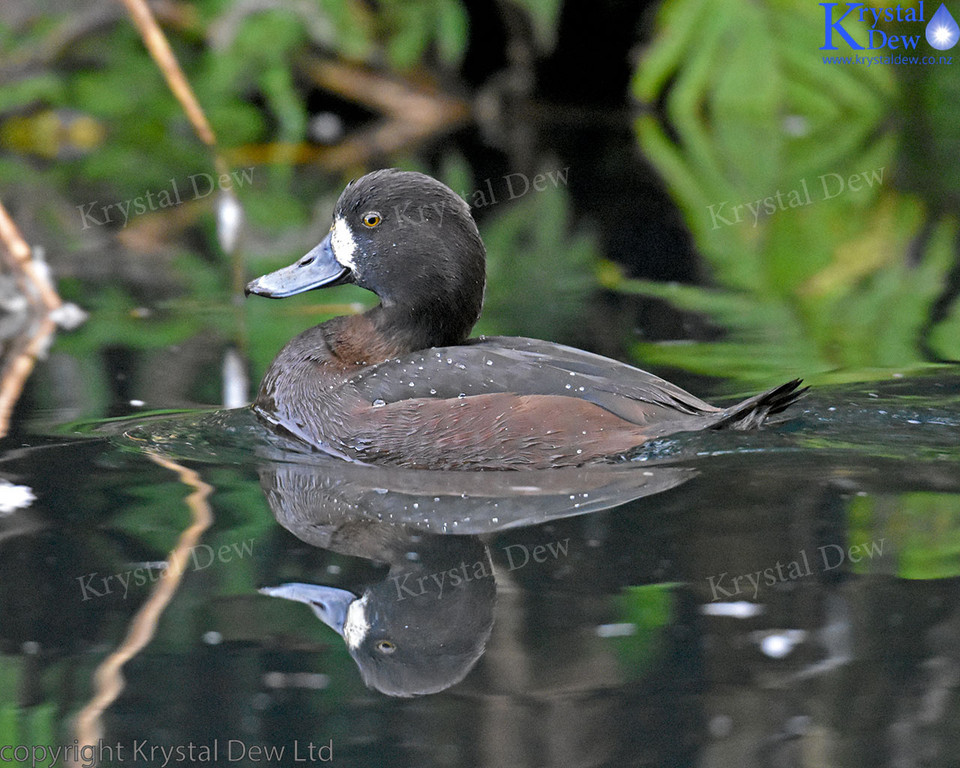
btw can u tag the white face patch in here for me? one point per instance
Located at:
(356, 626)
(343, 244)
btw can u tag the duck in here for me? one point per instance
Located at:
(404, 384)
(420, 627)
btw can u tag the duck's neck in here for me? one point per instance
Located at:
(415, 328)
(343, 345)
(384, 332)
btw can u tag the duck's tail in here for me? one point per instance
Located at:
(753, 411)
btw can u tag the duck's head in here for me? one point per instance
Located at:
(409, 239)
(407, 644)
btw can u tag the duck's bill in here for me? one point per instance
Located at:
(328, 603)
(318, 269)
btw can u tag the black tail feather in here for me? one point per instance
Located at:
(754, 411)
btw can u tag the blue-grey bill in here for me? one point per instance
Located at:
(328, 603)
(317, 269)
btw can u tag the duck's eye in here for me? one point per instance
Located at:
(385, 646)
(371, 219)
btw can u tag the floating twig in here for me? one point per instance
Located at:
(108, 680)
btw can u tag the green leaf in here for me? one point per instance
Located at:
(452, 31)
(648, 609)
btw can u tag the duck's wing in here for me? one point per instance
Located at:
(520, 366)
(501, 403)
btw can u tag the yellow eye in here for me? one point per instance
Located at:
(371, 219)
(385, 646)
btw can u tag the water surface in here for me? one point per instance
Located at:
(717, 598)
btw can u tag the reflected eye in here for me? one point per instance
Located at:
(385, 646)
(371, 219)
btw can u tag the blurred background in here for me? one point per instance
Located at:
(693, 186)
(654, 127)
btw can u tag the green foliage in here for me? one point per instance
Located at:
(920, 533)
(411, 27)
(806, 277)
(45, 87)
(648, 609)
(33, 725)
(243, 66)
(257, 58)
(532, 251)
(154, 515)
(154, 138)
(405, 32)
(114, 322)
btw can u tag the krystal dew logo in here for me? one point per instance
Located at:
(941, 32)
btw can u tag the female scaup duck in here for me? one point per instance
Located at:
(402, 384)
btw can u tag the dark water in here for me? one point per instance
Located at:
(784, 597)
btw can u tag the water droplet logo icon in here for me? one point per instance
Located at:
(942, 31)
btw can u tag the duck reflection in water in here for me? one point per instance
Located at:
(415, 632)
(424, 626)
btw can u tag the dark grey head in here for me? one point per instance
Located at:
(405, 644)
(409, 239)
